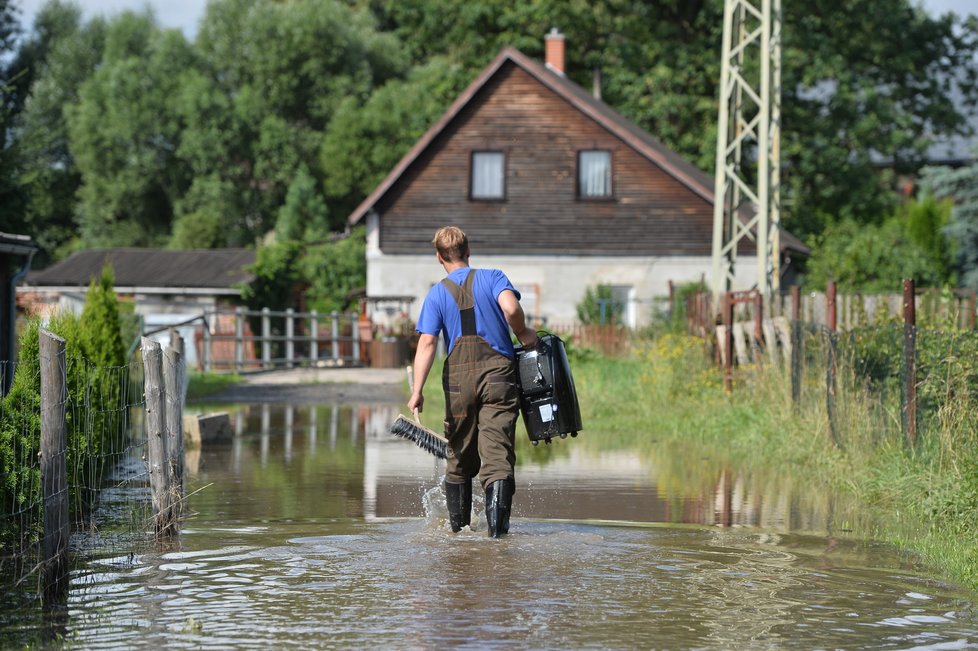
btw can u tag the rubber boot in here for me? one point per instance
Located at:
(458, 498)
(499, 501)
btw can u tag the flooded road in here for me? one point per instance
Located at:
(316, 529)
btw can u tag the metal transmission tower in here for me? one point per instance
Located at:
(747, 200)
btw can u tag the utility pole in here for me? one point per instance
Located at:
(747, 198)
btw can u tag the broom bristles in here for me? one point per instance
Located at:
(421, 436)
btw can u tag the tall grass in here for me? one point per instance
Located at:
(923, 499)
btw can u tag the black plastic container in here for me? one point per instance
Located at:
(548, 399)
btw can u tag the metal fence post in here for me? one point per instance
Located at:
(910, 361)
(54, 469)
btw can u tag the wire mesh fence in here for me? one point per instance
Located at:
(912, 375)
(105, 478)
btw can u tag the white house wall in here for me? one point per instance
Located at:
(552, 286)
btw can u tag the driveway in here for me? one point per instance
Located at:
(315, 385)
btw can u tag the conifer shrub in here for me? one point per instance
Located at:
(96, 414)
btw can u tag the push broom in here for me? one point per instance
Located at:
(417, 433)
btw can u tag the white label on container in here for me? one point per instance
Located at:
(546, 413)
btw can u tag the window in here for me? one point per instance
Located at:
(594, 174)
(487, 175)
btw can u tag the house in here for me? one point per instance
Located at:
(165, 287)
(552, 186)
(16, 252)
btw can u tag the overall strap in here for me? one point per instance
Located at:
(466, 301)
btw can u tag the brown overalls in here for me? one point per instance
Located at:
(481, 401)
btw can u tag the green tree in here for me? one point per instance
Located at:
(124, 134)
(334, 270)
(862, 81)
(366, 139)
(94, 355)
(12, 84)
(961, 186)
(272, 78)
(927, 219)
(304, 216)
(65, 53)
(871, 258)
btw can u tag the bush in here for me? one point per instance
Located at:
(95, 412)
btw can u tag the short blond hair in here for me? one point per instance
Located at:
(451, 243)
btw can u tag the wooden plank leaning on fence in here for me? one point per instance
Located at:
(174, 388)
(158, 461)
(54, 469)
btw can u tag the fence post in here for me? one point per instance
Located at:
(238, 338)
(830, 316)
(795, 345)
(355, 331)
(289, 337)
(54, 468)
(972, 300)
(910, 361)
(336, 337)
(313, 338)
(728, 319)
(156, 436)
(830, 370)
(266, 333)
(177, 344)
(174, 371)
(207, 344)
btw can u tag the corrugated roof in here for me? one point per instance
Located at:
(629, 132)
(194, 268)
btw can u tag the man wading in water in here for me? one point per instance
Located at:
(475, 309)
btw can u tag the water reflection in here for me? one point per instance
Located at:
(571, 480)
(314, 528)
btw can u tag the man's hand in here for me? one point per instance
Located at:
(423, 359)
(416, 401)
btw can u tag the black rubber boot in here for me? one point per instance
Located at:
(499, 501)
(458, 498)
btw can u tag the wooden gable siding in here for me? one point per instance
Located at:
(652, 213)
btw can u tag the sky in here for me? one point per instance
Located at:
(184, 14)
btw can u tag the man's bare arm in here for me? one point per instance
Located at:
(513, 312)
(423, 359)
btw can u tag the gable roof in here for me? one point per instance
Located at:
(630, 133)
(219, 270)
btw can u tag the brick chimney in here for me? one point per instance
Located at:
(555, 51)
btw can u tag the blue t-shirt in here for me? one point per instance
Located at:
(439, 313)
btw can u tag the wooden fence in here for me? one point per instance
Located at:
(242, 339)
(607, 338)
(955, 308)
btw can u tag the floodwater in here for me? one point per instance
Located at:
(316, 529)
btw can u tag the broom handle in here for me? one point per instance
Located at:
(410, 374)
